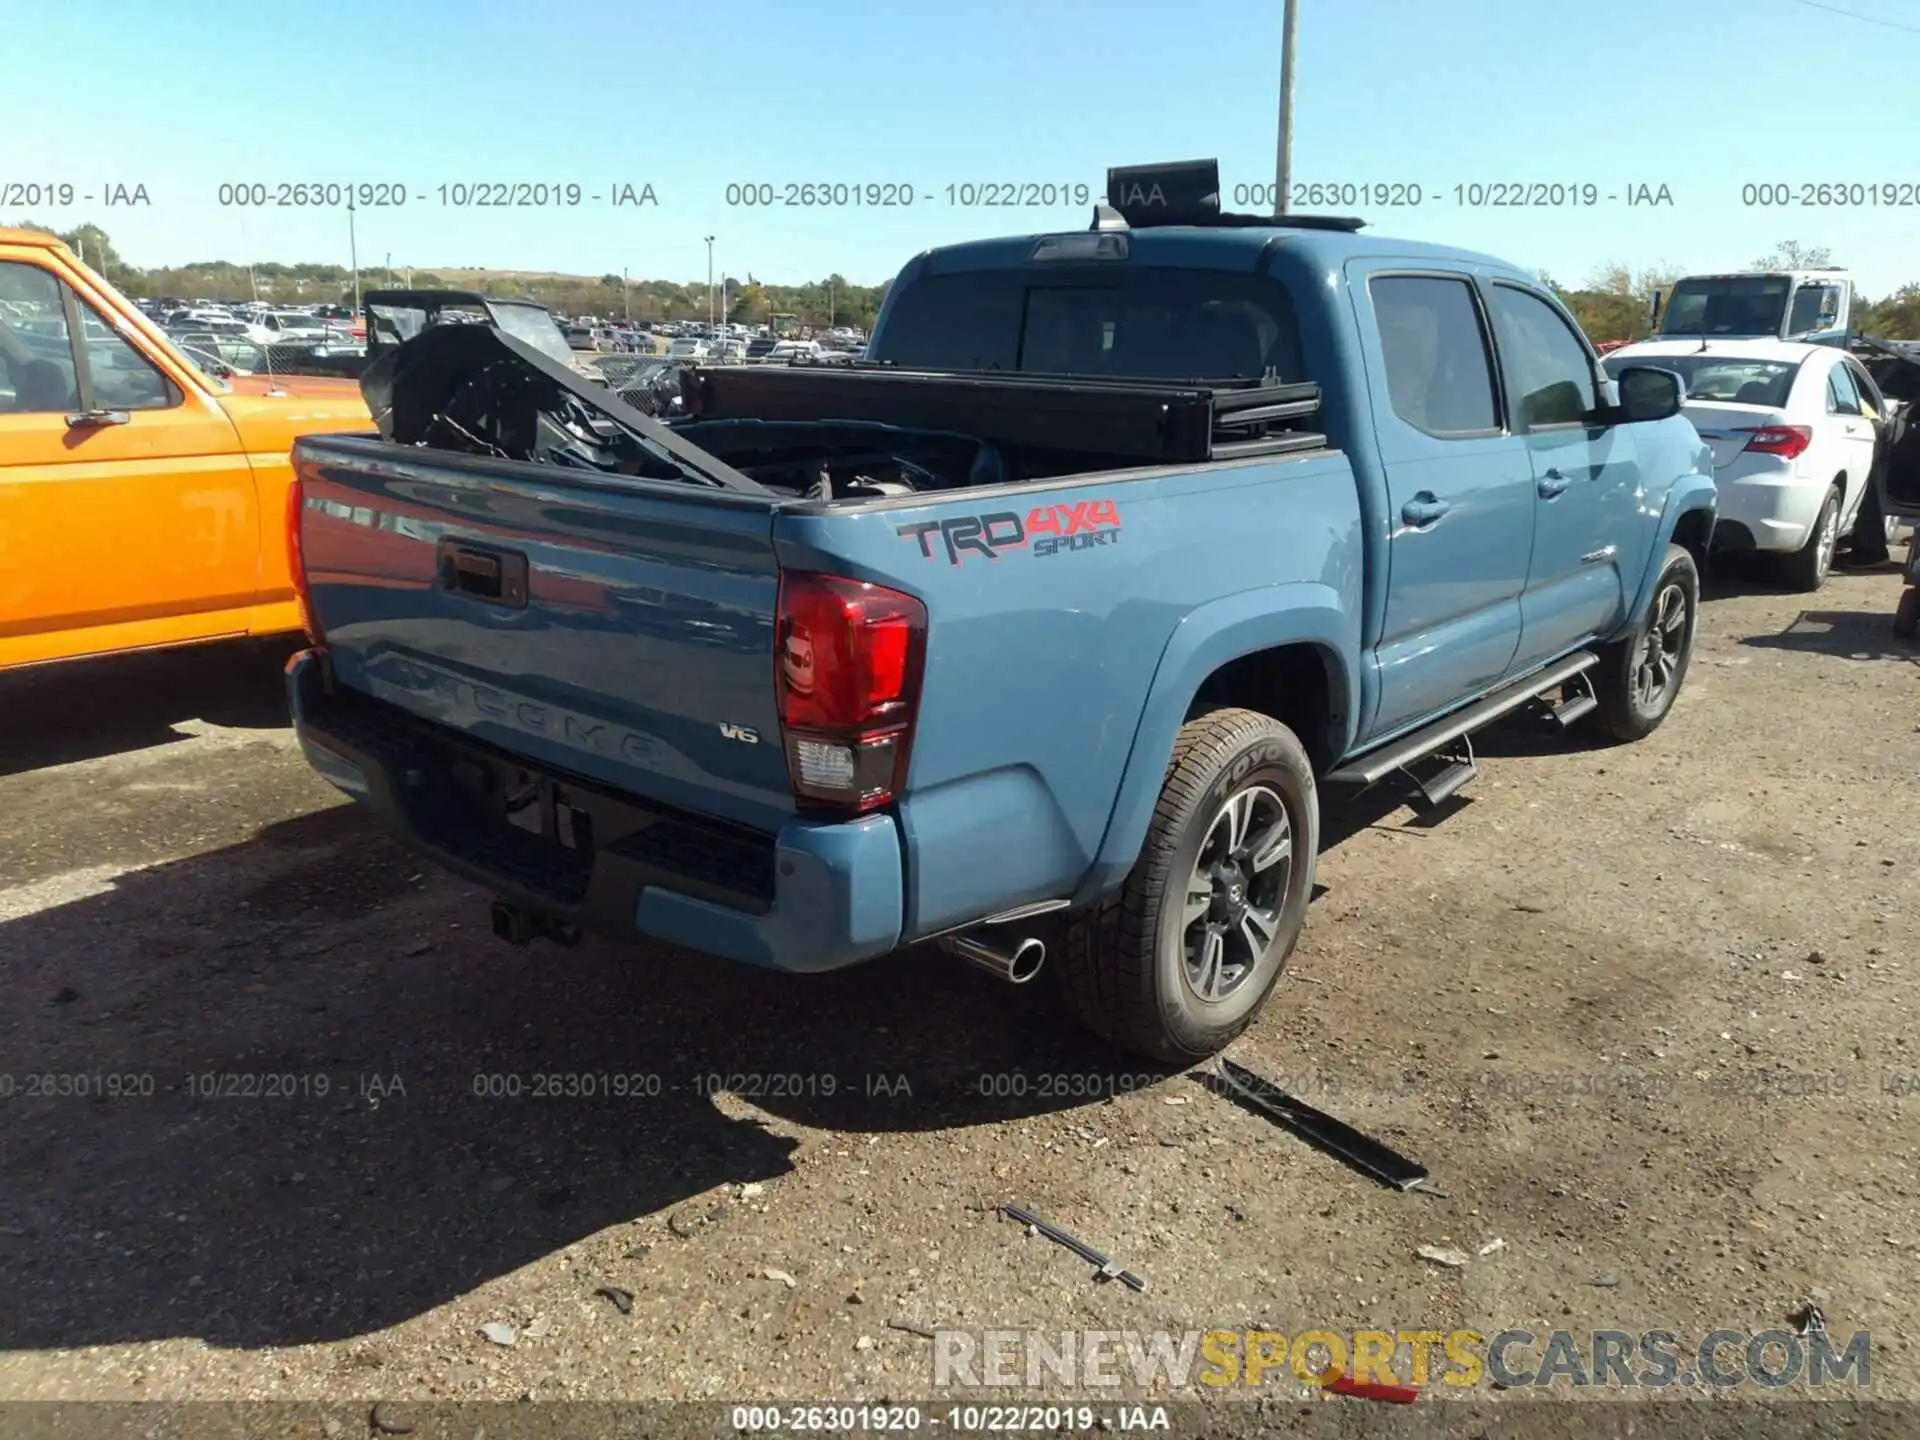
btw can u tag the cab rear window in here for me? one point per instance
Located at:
(1144, 322)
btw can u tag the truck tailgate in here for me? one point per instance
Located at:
(618, 630)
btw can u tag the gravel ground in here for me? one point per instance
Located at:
(1646, 1013)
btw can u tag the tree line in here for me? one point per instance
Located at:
(833, 300)
(1614, 303)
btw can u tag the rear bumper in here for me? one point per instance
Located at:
(812, 897)
(1767, 508)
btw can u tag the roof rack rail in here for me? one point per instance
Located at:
(1187, 192)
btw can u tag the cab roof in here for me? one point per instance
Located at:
(1213, 247)
(13, 236)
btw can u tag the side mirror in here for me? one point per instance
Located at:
(1648, 394)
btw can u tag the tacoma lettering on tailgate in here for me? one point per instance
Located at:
(1045, 529)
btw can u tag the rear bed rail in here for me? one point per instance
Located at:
(1154, 421)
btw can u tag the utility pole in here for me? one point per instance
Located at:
(829, 302)
(626, 299)
(709, 282)
(353, 257)
(1283, 159)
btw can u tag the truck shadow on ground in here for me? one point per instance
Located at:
(293, 1091)
(1844, 634)
(332, 1111)
(86, 709)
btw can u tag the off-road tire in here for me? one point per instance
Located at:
(1807, 568)
(1624, 711)
(1123, 968)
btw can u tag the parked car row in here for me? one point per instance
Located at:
(1811, 454)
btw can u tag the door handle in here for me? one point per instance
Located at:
(1551, 484)
(1423, 509)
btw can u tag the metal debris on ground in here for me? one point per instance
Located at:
(1320, 1130)
(1493, 1246)
(1807, 1320)
(1105, 1268)
(783, 1277)
(911, 1328)
(499, 1333)
(622, 1300)
(539, 1329)
(1605, 1281)
(1452, 1259)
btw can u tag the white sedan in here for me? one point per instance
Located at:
(1794, 434)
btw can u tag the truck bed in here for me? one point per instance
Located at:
(603, 638)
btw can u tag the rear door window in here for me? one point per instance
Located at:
(1842, 398)
(1439, 366)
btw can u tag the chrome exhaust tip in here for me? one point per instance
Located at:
(1015, 963)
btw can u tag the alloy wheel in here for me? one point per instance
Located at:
(1657, 661)
(1829, 539)
(1235, 893)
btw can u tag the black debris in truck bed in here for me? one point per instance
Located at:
(474, 390)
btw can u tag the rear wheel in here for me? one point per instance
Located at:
(1807, 568)
(1180, 961)
(1638, 678)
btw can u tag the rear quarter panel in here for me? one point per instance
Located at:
(1059, 668)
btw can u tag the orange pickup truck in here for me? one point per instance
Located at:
(142, 501)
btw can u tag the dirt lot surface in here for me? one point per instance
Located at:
(1646, 1013)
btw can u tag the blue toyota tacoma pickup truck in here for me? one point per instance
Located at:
(1041, 630)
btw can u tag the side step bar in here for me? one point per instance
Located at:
(1376, 765)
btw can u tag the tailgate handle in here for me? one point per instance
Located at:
(499, 577)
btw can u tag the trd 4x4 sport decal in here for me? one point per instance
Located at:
(1046, 530)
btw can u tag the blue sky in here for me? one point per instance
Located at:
(1700, 98)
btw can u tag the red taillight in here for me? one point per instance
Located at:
(297, 560)
(1787, 441)
(847, 662)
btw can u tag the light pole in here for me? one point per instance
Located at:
(1283, 158)
(709, 282)
(353, 257)
(829, 302)
(626, 299)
